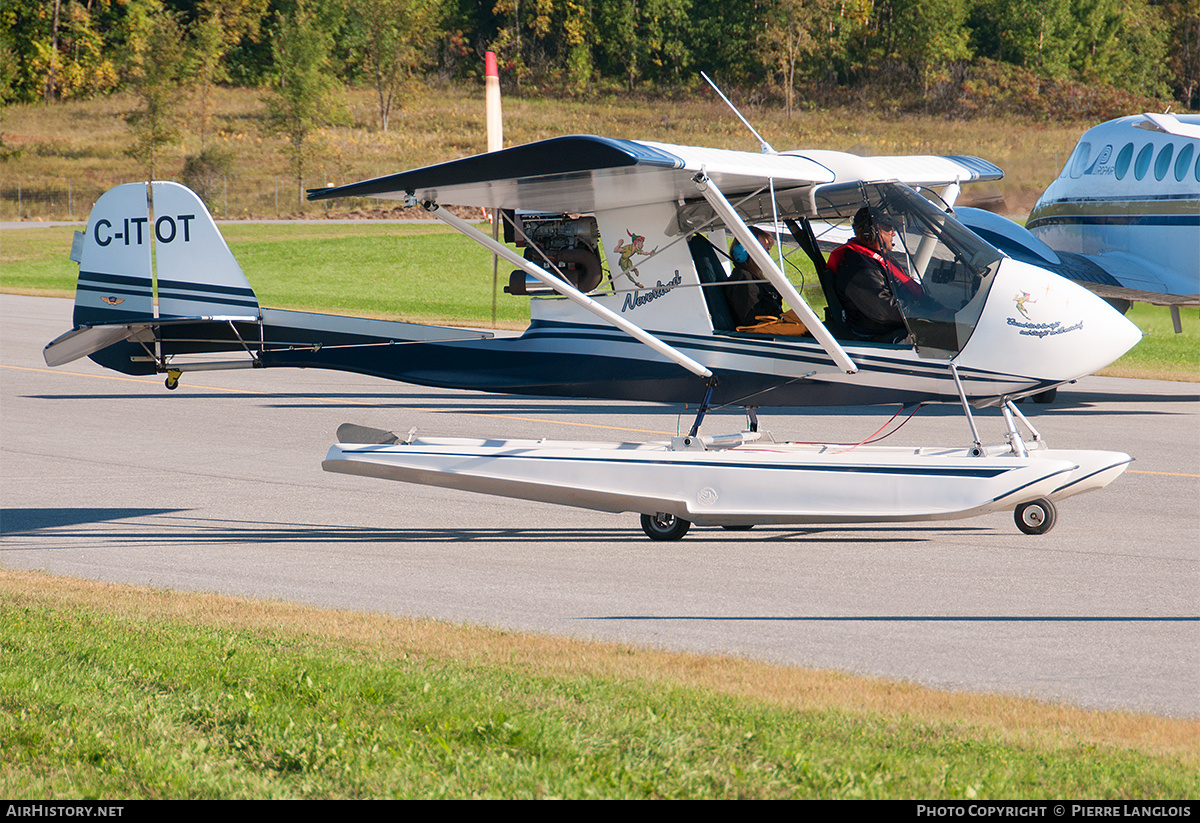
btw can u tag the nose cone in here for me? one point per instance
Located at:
(1039, 325)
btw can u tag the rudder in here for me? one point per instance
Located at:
(197, 273)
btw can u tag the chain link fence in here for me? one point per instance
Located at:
(228, 196)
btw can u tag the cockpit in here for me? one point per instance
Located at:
(952, 265)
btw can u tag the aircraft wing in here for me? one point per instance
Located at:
(585, 173)
(914, 170)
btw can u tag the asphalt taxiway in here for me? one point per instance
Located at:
(218, 487)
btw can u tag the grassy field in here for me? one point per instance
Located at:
(428, 273)
(73, 151)
(114, 691)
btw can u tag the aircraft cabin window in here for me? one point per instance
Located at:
(1142, 165)
(1124, 158)
(1079, 160)
(1164, 161)
(1184, 160)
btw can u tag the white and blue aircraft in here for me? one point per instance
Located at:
(1123, 217)
(621, 248)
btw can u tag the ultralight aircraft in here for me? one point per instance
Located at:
(622, 249)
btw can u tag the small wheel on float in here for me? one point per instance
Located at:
(172, 381)
(1036, 516)
(663, 526)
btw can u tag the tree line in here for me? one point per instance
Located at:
(945, 56)
(56, 49)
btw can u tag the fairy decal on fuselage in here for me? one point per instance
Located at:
(627, 251)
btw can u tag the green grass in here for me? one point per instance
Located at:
(402, 271)
(428, 273)
(410, 271)
(118, 692)
(1162, 353)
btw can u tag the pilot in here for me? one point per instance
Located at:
(751, 297)
(867, 279)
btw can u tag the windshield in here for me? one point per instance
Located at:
(954, 266)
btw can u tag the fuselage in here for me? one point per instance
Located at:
(1130, 192)
(986, 327)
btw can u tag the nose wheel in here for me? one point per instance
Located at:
(172, 381)
(1036, 516)
(663, 526)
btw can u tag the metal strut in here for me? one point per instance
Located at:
(1013, 437)
(712, 382)
(962, 396)
(1037, 437)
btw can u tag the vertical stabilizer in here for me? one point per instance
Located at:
(197, 273)
(115, 277)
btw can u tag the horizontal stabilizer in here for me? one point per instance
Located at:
(79, 343)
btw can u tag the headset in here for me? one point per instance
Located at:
(866, 224)
(739, 254)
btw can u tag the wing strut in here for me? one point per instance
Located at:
(772, 272)
(567, 290)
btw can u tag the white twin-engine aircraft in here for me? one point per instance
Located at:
(1123, 218)
(623, 252)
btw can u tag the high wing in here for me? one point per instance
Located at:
(584, 173)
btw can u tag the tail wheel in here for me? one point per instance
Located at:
(1036, 516)
(663, 526)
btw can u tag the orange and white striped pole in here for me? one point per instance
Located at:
(495, 142)
(495, 118)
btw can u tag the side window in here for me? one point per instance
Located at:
(1124, 158)
(1078, 160)
(1183, 161)
(1142, 164)
(1164, 161)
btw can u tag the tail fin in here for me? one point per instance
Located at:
(126, 243)
(151, 254)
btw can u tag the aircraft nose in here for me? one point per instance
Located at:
(1039, 325)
